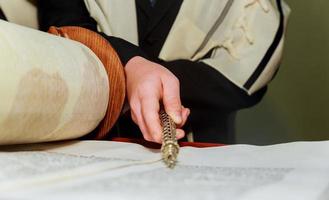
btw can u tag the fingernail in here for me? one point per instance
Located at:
(188, 112)
(180, 133)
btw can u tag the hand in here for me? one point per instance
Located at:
(148, 84)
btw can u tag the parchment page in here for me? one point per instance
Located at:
(128, 171)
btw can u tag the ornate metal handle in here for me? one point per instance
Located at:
(170, 147)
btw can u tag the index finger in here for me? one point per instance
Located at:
(150, 113)
(171, 99)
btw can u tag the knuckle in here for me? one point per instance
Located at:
(172, 88)
(158, 138)
(144, 101)
(173, 103)
(134, 107)
(173, 80)
(176, 80)
(133, 117)
(148, 138)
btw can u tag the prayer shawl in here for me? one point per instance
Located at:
(245, 36)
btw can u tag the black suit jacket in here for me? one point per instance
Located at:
(2, 15)
(212, 98)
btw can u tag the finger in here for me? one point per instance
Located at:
(150, 113)
(185, 114)
(138, 119)
(134, 107)
(180, 133)
(171, 99)
(134, 117)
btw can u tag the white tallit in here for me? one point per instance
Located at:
(244, 34)
(241, 32)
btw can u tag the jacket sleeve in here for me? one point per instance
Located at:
(74, 13)
(202, 85)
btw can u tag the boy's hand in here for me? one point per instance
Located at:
(148, 85)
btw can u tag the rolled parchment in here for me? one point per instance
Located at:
(51, 88)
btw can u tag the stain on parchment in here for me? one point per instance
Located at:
(92, 101)
(38, 105)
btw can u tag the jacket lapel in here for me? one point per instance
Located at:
(2, 15)
(158, 12)
(145, 6)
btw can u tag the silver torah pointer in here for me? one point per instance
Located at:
(170, 147)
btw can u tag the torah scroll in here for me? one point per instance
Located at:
(51, 88)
